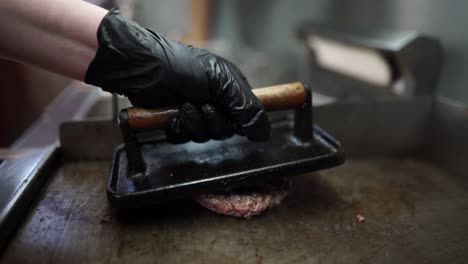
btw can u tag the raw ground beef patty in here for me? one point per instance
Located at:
(245, 203)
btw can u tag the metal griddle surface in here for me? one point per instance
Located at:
(175, 171)
(415, 213)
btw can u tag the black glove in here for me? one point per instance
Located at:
(153, 71)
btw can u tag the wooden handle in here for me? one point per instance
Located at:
(278, 97)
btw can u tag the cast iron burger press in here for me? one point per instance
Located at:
(148, 170)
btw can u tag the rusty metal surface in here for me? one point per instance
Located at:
(415, 212)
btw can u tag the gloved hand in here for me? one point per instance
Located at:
(153, 71)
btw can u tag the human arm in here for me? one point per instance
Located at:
(56, 35)
(107, 50)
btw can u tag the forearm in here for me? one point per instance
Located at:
(56, 35)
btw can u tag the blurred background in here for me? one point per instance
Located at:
(263, 38)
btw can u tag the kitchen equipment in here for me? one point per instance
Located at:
(154, 171)
(350, 62)
(405, 172)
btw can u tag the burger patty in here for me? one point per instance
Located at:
(245, 203)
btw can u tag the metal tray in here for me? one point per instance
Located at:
(177, 171)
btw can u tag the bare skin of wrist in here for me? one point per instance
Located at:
(57, 35)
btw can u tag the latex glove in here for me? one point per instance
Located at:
(153, 71)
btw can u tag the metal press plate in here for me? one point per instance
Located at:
(177, 171)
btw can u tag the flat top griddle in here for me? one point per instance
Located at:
(415, 213)
(406, 173)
